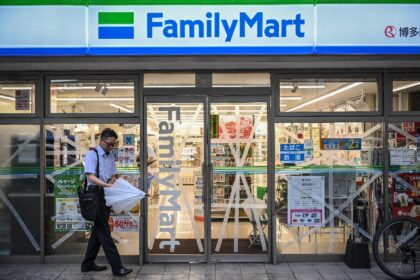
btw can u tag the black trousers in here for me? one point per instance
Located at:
(101, 236)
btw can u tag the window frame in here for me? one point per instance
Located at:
(388, 85)
(109, 76)
(38, 95)
(278, 77)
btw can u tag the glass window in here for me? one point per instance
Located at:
(241, 80)
(169, 80)
(175, 140)
(17, 98)
(92, 96)
(66, 146)
(404, 170)
(329, 185)
(328, 95)
(19, 190)
(406, 95)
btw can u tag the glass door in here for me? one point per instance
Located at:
(238, 179)
(175, 139)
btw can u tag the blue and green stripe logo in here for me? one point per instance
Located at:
(116, 25)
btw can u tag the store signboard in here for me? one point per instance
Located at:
(292, 152)
(367, 28)
(306, 195)
(347, 144)
(263, 29)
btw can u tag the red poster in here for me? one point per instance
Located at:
(410, 127)
(245, 127)
(405, 202)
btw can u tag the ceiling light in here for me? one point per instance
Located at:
(17, 88)
(283, 105)
(302, 86)
(290, 97)
(406, 86)
(95, 99)
(171, 86)
(121, 108)
(5, 96)
(97, 88)
(322, 97)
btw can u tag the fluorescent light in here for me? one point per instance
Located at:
(170, 86)
(4, 96)
(239, 85)
(16, 88)
(302, 86)
(121, 108)
(283, 105)
(340, 90)
(94, 99)
(290, 97)
(90, 87)
(406, 86)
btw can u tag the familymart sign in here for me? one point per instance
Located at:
(278, 27)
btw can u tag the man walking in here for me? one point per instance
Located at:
(101, 234)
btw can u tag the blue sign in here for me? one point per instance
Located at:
(292, 152)
(292, 147)
(346, 144)
(128, 139)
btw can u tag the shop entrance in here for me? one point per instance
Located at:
(208, 184)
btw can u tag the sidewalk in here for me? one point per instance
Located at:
(228, 271)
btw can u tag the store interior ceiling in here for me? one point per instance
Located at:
(295, 95)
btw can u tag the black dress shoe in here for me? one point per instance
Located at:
(122, 271)
(93, 267)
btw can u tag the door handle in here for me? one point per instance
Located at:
(210, 187)
(204, 183)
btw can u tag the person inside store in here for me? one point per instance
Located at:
(101, 234)
(151, 162)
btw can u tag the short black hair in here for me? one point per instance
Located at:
(108, 132)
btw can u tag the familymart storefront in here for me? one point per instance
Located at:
(264, 131)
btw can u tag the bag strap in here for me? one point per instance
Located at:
(97, 168)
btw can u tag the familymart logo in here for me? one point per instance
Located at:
(116, 25)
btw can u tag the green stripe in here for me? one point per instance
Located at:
(116, 18)
(199, 2)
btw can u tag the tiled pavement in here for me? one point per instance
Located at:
(228, 271)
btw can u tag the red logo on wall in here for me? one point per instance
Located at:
(390, 31)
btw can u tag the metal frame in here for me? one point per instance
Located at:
(390, 77)
(52, 121)
(291, 66)
(206, 96)
(267, 257)
(161, 257)
(109, 76)
(39, 92)
(384, 115)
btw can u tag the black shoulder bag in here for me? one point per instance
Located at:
(89, 200)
